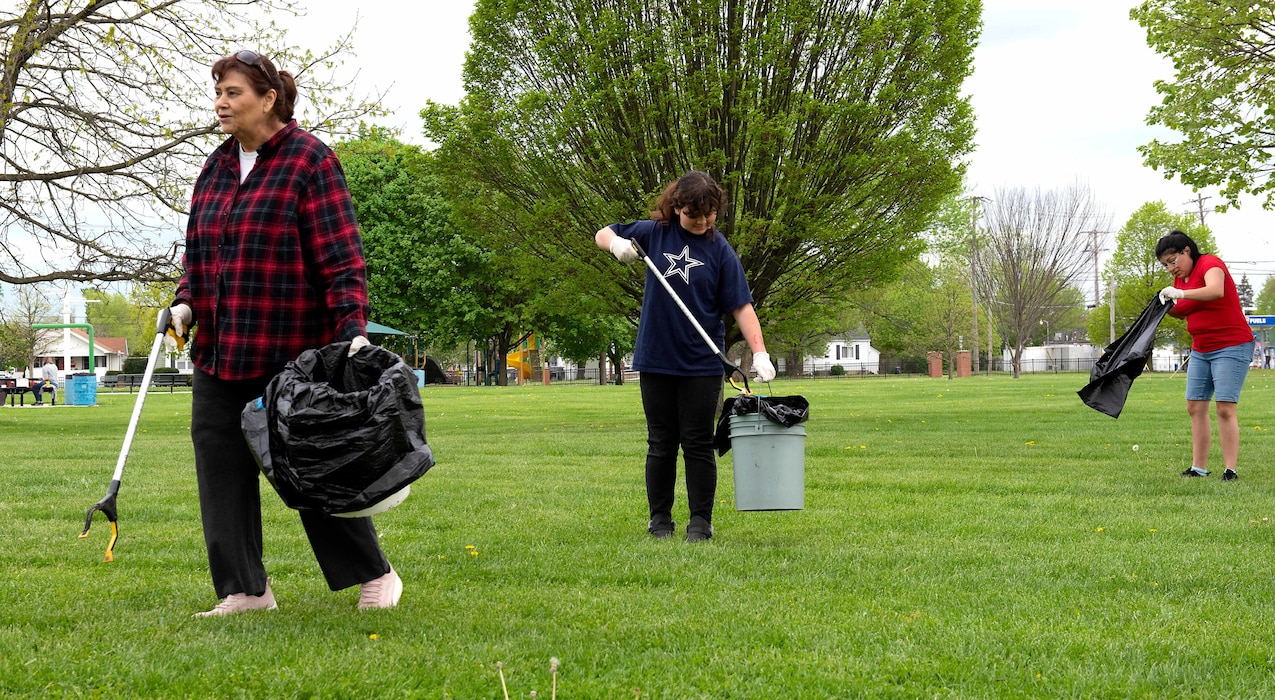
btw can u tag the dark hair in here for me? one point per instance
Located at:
(696, 192)
(1176, 242)
(260, 77)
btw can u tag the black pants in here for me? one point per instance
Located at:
(230, 501)
(679, 412)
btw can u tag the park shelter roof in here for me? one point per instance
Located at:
(373, 327)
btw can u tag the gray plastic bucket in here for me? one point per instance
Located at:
(770, 463)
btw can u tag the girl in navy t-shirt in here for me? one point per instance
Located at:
(681, 376)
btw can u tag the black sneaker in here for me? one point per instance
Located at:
(1192, 472)
(661, 527)
(1229, 475)
(699, 530)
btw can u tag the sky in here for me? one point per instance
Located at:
(1060, 93)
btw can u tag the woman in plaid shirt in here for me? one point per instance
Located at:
(273, 266)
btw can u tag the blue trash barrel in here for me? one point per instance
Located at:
(81, 390)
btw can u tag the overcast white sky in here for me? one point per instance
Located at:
(1060, 90)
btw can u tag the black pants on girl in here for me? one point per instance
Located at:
(680, 412)
(230, 501)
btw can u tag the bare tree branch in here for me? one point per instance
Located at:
(106, 119)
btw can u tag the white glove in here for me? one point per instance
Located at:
(179, 318)
(358, 344)
(1170, 293)
(765, 370)
(623, 250)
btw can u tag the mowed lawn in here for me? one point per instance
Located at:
(984, 537)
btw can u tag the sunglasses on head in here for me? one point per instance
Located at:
(252, 58)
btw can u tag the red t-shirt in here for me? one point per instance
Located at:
(1216, 324)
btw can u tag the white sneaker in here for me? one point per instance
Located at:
(242, 602)
(381, 592)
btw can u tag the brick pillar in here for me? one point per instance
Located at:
(936, 364)
(962, 363)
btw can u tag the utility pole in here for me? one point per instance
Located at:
(1095, 250)
(1199, 203)
(975, 200)
(1111, 302)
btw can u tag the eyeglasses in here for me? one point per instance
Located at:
(252, 58)
(1171, 261)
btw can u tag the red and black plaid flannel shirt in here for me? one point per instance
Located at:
(274, 266)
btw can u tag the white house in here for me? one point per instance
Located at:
(1055, 357)
(852, 351)
(108, 353)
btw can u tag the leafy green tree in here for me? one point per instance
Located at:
(1266, 298)
(926, 309)
(1219, 100)
(836, 128)
(1138, 276)
(426, 276)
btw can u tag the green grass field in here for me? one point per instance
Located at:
(964, 539)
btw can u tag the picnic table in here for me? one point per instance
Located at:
(17, 395)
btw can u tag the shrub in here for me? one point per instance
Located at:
(134, 365)
(836, 370)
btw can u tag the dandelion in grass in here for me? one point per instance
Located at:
(374, 636)
(553, 670)
(1030, 442)
(500, 668)
(1098, 529)
(1153, 530)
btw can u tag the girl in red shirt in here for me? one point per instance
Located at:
(1221, 346)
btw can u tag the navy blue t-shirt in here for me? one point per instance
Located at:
(708, 277)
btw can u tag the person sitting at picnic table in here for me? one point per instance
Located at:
(48, 382)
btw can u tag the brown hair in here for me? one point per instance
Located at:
(696, 192)
(262, 77)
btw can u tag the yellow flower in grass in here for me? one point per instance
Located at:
(1098, 529)
(1030, 442)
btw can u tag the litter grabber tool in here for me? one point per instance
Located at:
(107, 504)
(731, 368)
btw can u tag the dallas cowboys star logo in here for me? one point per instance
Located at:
(681, 264)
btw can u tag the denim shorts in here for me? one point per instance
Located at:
(1218, 375)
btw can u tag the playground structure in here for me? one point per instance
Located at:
(520, 360)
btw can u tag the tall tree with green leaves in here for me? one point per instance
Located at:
(836, 127)
(106, 117)
(1266, 298)
(426, 275)
(114, 315)
(1138, 276)
(1219, 101)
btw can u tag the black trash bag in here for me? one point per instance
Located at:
(784, 410)
(337, 434)
(1113, 374)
